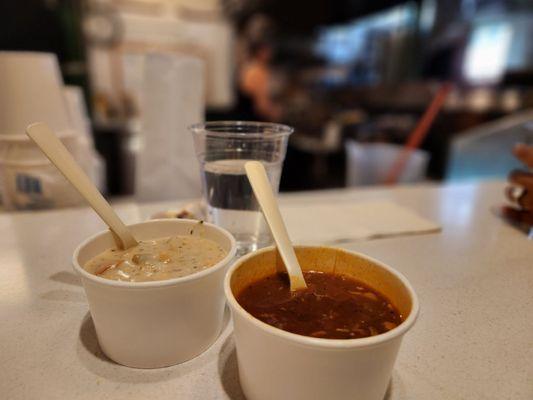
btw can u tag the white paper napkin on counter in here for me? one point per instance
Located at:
(341, 222)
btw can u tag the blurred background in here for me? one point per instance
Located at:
(379, 92)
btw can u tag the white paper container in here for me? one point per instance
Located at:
(29, 181)
(275, 364)
(162, 323)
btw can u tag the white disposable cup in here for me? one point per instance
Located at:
(29, 181)
(275, 364)
(160, 323)
(370, 163)
(31, 90)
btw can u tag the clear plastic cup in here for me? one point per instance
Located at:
(222, 149)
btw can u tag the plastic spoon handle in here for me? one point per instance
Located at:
(52, 147)
(263, 192)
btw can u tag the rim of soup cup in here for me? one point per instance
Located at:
(160, 283)
(308, 341)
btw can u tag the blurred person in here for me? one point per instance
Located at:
(520, 192)
(255, 72)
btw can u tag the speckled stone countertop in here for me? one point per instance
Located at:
(473, 339)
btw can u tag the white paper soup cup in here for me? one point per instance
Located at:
(275, 364)
(160, 323)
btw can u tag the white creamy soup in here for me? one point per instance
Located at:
(159, 259)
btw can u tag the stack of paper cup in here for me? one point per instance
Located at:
(31, 90)
(173, 100)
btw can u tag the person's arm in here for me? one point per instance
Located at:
(256, 84)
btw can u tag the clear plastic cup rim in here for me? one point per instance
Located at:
(271, 130)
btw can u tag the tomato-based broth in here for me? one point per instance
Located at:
(159, 259)
(333, 306)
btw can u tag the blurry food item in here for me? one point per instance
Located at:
(193, 210)
(332, 307)
(159, 259)
(184, 214)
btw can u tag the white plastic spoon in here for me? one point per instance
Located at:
(52, 147)
(263, 192)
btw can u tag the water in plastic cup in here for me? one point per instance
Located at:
(222, 149)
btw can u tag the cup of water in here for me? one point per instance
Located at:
(222, 148)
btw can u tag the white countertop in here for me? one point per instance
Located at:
(473, 339)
